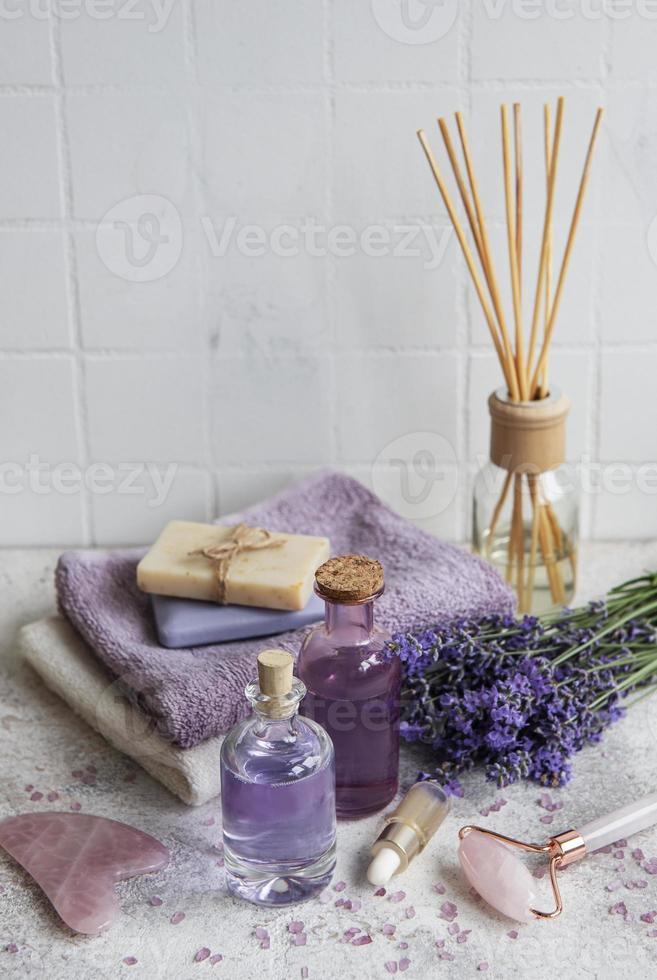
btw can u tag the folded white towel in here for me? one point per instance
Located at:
(64, 662)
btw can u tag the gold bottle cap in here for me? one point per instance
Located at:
(349, 579)
(408, 830)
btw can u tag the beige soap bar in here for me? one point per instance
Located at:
(275, 578)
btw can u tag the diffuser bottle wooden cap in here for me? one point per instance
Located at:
(349, 579)
(528, 437)
(275, 672)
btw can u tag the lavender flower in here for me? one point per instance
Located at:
(521, 697)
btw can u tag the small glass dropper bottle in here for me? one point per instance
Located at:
(408, 830)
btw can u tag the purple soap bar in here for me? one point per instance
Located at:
(192, 623)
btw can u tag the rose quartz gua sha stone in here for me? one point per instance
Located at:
(77, 860)
(498, 876)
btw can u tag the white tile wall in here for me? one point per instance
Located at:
(224, 262)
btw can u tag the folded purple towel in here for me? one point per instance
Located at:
(196, 693)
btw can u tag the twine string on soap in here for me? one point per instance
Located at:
(242, 538)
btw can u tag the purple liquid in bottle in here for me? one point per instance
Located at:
(353, 691)
(278, 803)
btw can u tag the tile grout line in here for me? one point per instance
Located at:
(329, 86)
(70, 258)
(595, 402)
(193, 156)
(464, 334)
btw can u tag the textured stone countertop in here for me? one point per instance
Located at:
(42, 743)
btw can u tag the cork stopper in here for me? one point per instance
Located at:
(349, 579)
(528, 437)
(275, 672)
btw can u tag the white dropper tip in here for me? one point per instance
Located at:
(383, 867)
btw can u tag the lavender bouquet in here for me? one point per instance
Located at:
(520, 697)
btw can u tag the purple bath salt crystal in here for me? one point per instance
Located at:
(404, 964)
(618, 909)
(440, 943)
(439, 888)
(448, 911)
(339, 903)
(445, 955)
(265, 943)
(36, 796)
(652, 933)
(463, 936)
(52, 796)
(176, 918)
(295, 926)
(155, 901)
(29, 788)
(513, 934)
(391, 966)
(650, 866)
(637, 854)
(130, 960)
(379, 893)
(261, 933)
(453, 928)
(216, 958)
(548, 818)
(410, 912)
(76, 806)
(202, 954)
(397, 897)
(648, 917)
(482, 967)
(339, 886)
(300, 939)
(613, 886)
(388, 929)
(11, 948)
(402, 945)
(362, 940)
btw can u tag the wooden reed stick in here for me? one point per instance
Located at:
(547, 225)
(520, 542)
(547, 140)
(517, 141)
(460, 183)
(513, 256)
(497, 511)
(569, 248)
(514, 388)
(532, 480)
(465, 248)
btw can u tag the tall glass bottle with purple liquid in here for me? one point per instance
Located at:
(277, 793)
(354, 684)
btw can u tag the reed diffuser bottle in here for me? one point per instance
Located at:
(525, 508)
(277, 793)
(526, 505)
(353, 684)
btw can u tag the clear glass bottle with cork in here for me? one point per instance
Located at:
(277, 793)
(353, 684)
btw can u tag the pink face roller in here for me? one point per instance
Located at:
(501, 878)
